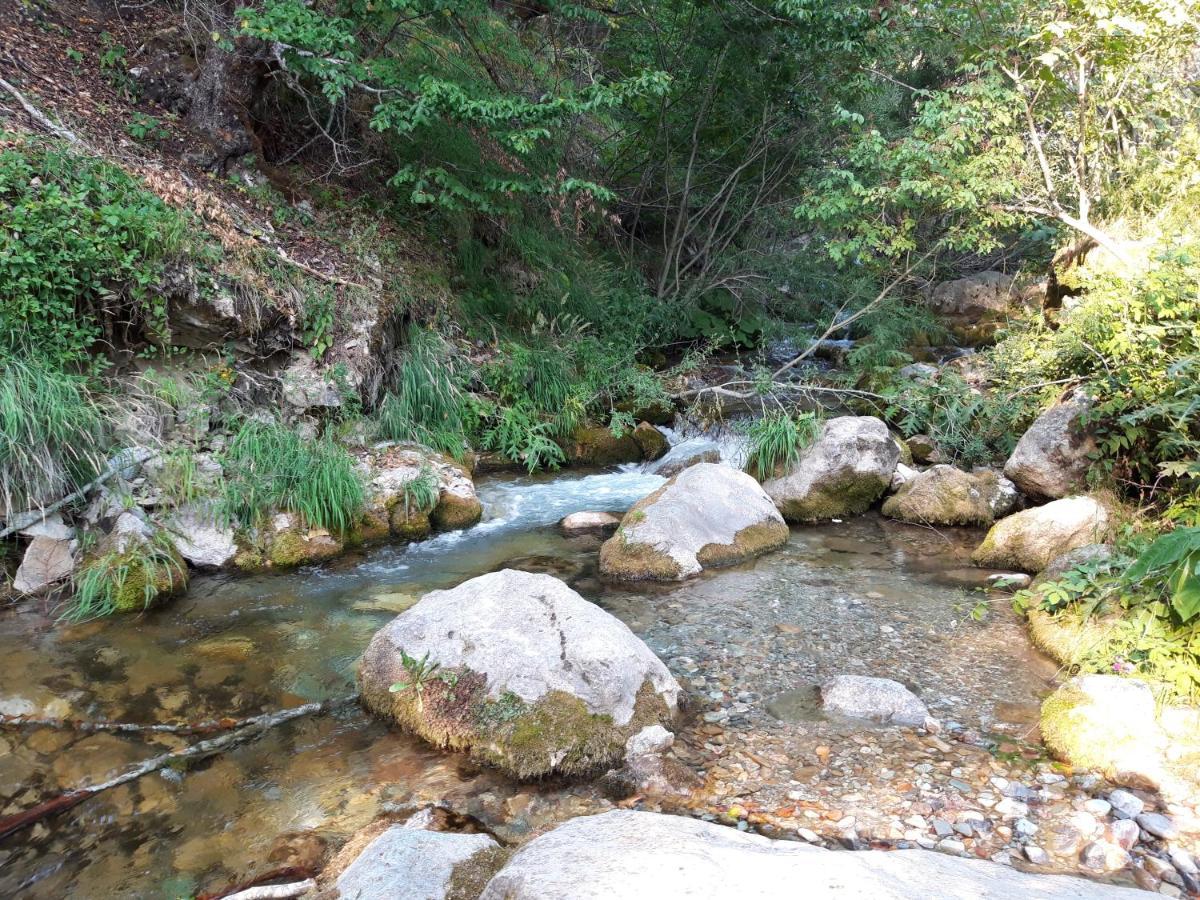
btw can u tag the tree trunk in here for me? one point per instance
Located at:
(229, 80)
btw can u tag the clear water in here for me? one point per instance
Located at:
(236, 647)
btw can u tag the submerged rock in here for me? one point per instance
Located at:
(1106, 723)
(589, 522)
(846, 469)
(47, 561)
(944, 495)
(411, 864)
(1030, 539)
(1052, 458)
(684, 455)
(706, 516)
(625, 855)
(521, 671)
(880, 699)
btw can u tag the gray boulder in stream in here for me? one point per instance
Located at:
(706, 516)
(632, 855)
(842, 473)
(944, 495)
(1029, 540)
(1052, 458)
(520, 671)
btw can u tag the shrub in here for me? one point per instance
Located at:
(81, 246)
(270, 467)
(52, 433)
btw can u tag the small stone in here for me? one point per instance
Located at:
(807, 834)
(1025, 827)
(1012, 809)
(1183, 861)
(942, 828)
(1158, 825)
(1101, 856)
(1123, 833)
(1036, 855)
(1125, 805)
(949, 845)
(1160, 868)
(1098, 807)
(1169, 890)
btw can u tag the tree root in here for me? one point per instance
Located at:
(251, 728)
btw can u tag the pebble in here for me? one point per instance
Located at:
(1012, 809)
(1036, 855)
(1025, 827)
(1182, 860)
(1158, 825)
(1101, 856)
(1125, 805)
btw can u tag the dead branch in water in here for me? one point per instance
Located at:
(246, 890)
(210, 727)
(254, 727)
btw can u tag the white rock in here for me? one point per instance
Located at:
(52, 526)
(201, 538)
(46, 562)
(628, 855)
(843, 472)
(708, 515)
(408, 864)
(881, 699)
(589, 522)
(684, 455)
(1126, 804)
(1052, 458)
(651, 739)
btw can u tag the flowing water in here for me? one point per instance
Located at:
(747, 642)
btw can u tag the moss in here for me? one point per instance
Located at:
(470, 877)
(652, 441)
(293, 548)
(748, 543)
(169, 578)
(1065, 637)
(635, 561)
(411, 524)
(373, 527)
(846, 496)
(250, 561)
(941, 496)
(454, 512)
(595, 445)
(1089, 736)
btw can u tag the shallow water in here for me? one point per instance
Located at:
(865, 596)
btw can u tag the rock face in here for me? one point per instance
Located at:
(589, 522)
(846, 470)
(1030, 539)
(628, 855)
(410, 864)
(973, 307)
(1051, 460)
(47, 561)
(880, 699)
(944, 495)
(681, 456)
(305, 387)
(1106, 723)
(200, 538)
(706, 516)
(529, 676)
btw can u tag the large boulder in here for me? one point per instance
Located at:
(653, 442)
(1030, 539)
(47, 561)
(879, 699)
(706, 516)
(633, 855)
(520, 671)
(151, 569)
(201, 537)
(1052, 458)
(974, 307)
(842, 473)
(1106, 723)
(684, 455)
(405, 863)
(595, 445)
(944, 495)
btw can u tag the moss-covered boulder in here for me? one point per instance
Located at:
(290, 543)
(148, 581)
(458, 505)
(520, 671)
(1030, 539)
(1106, 723)
(653, 442)
(944, 495)
(419, 490)
(842, 473)
(596, 445)
(706, 516)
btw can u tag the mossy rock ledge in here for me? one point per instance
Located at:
(842, 473)
(944, 495)
(708, 515)
(1031, 539)
(521, 672)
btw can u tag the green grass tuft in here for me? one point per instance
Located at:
(776, 440)
(425, 403)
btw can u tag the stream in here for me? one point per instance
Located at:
(749, 644)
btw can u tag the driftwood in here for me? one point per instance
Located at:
(21, 521)
(252, 728)
(210, 727)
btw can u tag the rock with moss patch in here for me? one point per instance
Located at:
(1052, 458)
(974, 307)
(944, 495)
(842, 473)
(520, 671)
(1108, 724)
(394, 469)
(1030, 539)
(653, 442)
(706, 516)
(595, 445)
(405, 863)
(291, 543)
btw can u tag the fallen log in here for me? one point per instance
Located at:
(255, 726)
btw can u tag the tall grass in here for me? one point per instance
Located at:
(52, 433)
(425, 403)
(270, 467)
(122, 579)
(777, 439)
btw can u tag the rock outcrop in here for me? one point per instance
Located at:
(519, 670)
(626, 854)
(706, 516)
(842, 473)
(1051, 459)
(944, 495)
(1030, 539)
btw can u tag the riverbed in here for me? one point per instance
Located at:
(749, 644)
